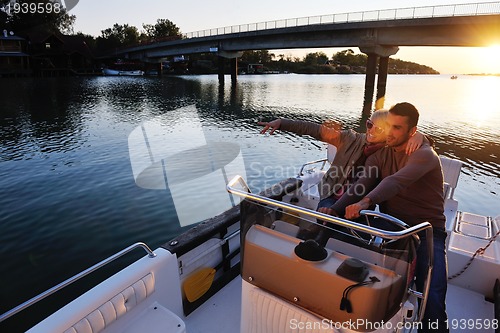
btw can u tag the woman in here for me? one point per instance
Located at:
(352, 149)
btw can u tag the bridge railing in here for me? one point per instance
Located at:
(467, 9)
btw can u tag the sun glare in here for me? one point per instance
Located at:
(482, 101)
(490, 56)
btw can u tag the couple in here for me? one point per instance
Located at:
(408, 184)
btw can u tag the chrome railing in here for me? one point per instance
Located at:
(413, 230)
(75, 278)
(467, 9)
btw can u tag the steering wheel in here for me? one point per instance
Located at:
(386, 217)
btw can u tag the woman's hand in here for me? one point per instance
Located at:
(327, 210)
(414, 142)
(273, 125)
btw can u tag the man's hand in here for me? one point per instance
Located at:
(352, 211)
(273, 125)
(327, 210)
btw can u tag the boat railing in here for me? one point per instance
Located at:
(386, 234)
(75, 278)
(451, 10)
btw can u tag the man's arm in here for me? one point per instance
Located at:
(419, 163)
(367, 181)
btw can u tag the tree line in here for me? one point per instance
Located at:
(342, 62)
(124, 35)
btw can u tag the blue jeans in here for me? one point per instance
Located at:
(435, 316)
(326, 202)
(435, 311)
(334, 230)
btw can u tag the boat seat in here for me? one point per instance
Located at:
(124, 302)
(116, 307)
(451, 172)
(262, 311)
(309, 191)
(129, 301)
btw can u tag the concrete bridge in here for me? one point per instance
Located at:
(379, 34)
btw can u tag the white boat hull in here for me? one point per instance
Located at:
(115, 72)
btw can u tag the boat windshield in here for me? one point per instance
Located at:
(363, 272)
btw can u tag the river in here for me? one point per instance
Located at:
(68, 197)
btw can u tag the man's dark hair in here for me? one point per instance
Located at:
(407, 110)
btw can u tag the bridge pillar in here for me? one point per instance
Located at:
(233, 56)
(220, 70)
(160, 69)
(383, 68)
(371, 68)
(234, 70)
(374, 51)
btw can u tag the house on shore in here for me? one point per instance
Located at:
(14, 61)
(55, 54)
(45, 54)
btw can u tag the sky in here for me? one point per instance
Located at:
(93, 16)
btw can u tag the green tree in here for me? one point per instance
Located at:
(316, 58)
(343, 57)
(261, 56)
(163, 28)
(118, 36)
(55, 21)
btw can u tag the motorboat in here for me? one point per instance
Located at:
(118, 72)
(251, 269)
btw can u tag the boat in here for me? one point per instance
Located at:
(124, 68)
(454, 77)
(250, 270)
(116, 72)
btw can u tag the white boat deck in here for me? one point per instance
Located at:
(221, 313)
(468, 311)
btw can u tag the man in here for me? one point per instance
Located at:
(410, 188)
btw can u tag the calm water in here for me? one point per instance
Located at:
(67, 193)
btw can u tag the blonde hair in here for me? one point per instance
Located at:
(379, 115)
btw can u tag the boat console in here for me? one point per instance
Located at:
(323, 287)
(360, 277)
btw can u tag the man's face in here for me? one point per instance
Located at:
(398, 131)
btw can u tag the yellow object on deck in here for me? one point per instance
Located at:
(198, 283)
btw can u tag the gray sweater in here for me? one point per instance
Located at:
(350, 145)
(407, 187)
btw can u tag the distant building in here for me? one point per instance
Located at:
(246, 68)
(14, 61)
(55, 54)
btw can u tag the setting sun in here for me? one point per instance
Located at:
(489, 56)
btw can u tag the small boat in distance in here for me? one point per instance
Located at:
(116, 72)
(454, 77)
(124, 68)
